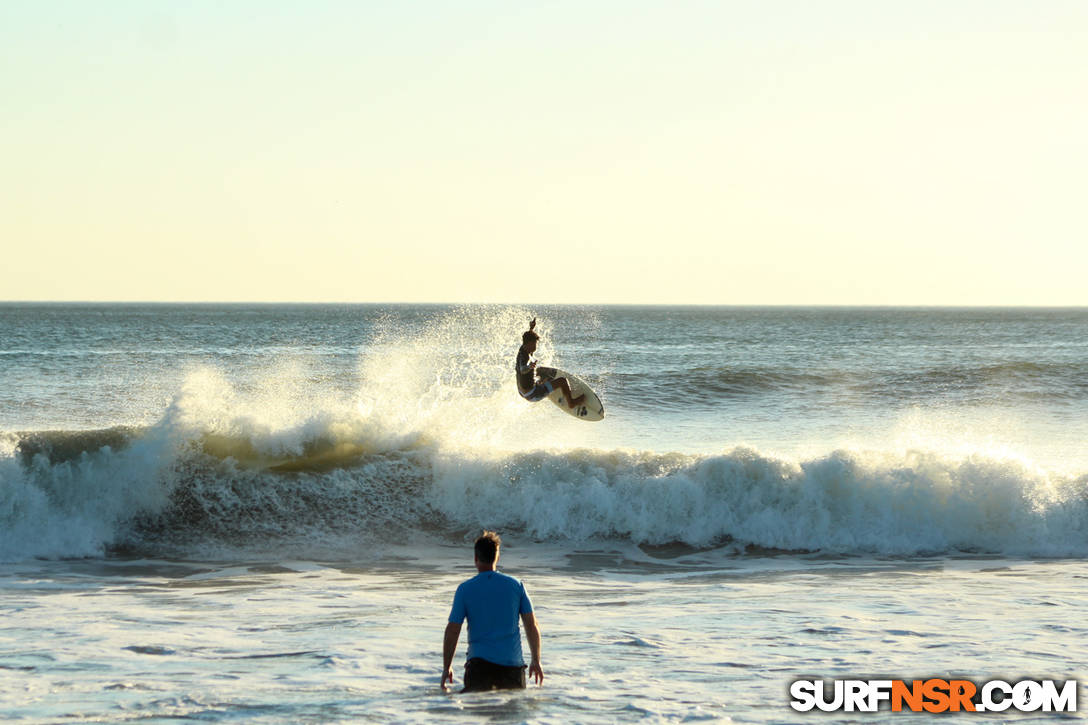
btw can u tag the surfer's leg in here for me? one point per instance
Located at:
(572, 402)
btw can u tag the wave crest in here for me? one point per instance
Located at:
(156, 494)
(845, 502)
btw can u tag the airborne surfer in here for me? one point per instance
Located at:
(528, 386)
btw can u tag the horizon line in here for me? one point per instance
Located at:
(782, 305)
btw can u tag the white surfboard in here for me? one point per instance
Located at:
(590, 409)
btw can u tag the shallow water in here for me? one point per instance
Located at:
(628, 637)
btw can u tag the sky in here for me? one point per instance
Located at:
(924, 152)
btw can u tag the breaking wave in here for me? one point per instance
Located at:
(154, 492)
(436, 443)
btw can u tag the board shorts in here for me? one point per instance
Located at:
(481, 675)
(538, 391)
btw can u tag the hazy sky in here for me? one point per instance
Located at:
(764, 152)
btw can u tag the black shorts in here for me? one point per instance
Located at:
(538, 392)
(483, 675)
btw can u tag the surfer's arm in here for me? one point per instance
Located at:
(525, 362)
(532, 633)
(449, 646)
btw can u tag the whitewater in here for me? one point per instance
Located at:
(259, 513)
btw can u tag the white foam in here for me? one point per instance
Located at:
(437, 437)
(844, 502)
(73, 508)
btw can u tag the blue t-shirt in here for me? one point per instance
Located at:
(492, 603)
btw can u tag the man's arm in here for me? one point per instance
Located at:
(449, 646)
(532, 633)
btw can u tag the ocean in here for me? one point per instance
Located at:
(259, 513)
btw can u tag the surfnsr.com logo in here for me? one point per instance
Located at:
(934, 695)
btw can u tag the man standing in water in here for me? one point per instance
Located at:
(492, 603)
(525, 367)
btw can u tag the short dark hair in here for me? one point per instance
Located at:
(487, 547)
(528, 336)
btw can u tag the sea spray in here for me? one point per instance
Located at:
(269, 444)
(452, 381)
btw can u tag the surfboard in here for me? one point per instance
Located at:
(591, 408)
